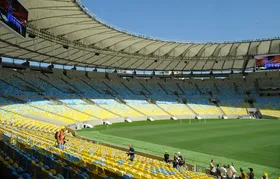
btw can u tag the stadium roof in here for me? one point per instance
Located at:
(67, 33)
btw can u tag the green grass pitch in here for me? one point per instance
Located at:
(246, 143)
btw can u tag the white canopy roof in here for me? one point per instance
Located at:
(93, 43)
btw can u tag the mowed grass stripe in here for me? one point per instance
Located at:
(247, 142)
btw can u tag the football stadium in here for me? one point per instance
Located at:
(82, 99)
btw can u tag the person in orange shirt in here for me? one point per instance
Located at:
(60, 139)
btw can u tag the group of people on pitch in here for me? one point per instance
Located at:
(229, 172)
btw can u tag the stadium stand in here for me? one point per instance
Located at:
(269, 106)
(32, 146)
(83, 99)
(204, 108)
(68, 86)
(177, 110)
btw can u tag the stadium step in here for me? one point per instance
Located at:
(145, 89)
(91, 87)
(24, 116)
(65, 81)
(136, 110)
(128, 88)
(11, 85)
(88, 101)
(51, 85)
(220, 109)
(14, 99)
(36, 89)
(198, 89)
(162, 88)
(54, 100)
(179, 87)
(257, 86)
(235, 88)
(109, 110)
(164, 110)
(217, 89)
(194, 113)
(81, 111)
(110, 88)
(56, 114)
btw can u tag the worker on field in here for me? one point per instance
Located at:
(166, 157)
(251, 174)
(243, 174)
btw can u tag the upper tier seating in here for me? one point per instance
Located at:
(269, 82)
(190, 90)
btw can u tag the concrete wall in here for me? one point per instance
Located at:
(96, 122)
(96, 75)
(73, 73)
(211, 116)
(57, 72)
(44, 119)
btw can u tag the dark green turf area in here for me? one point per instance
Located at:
(247, 143)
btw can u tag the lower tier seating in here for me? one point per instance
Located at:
(234, 107)
(35, 152)
(269, 106)
(204, 107)
(176, 109)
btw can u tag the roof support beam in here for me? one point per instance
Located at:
(100, 41)
(245, 63)
(54, 17)
(186, 51)
(39, 53)
(70, 23)
(78, 30)
(91, 35)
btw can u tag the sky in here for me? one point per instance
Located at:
(192, 20)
